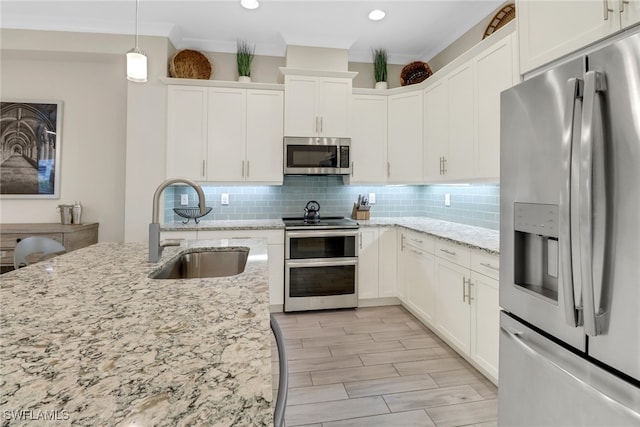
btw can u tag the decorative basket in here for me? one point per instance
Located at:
(190, 64)
(502, 18)
(190, 213)
(414, 72)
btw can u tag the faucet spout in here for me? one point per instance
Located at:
(155, 247)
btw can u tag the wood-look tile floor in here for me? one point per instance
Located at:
(377, 366)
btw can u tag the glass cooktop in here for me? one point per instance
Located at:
(292, 223)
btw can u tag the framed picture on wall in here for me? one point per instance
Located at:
(30, 145)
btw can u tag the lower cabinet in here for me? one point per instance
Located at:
(275, 241)
(418, 275)
(376, 265)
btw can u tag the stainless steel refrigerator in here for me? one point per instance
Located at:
(570, 242)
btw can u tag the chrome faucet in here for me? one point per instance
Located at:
(155, 246)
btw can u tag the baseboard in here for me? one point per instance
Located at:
(376, 302)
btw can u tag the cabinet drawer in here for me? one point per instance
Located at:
(10, 240)
(452, 252)
(487, 264)
(273, 237)
(419, 241)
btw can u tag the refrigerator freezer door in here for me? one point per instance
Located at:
(565, 390)
(613, 306)
(533, 171)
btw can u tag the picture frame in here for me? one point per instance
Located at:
(30, 149)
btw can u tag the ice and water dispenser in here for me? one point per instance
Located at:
(536, 266)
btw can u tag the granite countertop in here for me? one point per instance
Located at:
(468, 235)
(89, 339)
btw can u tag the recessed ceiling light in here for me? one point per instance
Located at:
(250, 4)
(376, 15)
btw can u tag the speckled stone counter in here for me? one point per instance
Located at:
(212, 225)
(473, 237)
(87, 338)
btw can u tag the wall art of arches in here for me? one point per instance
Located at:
(30, 149)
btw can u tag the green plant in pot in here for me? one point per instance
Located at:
(380, 68)
(244, 56)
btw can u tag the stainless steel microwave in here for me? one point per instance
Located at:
(317, 156)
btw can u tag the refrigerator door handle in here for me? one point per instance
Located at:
(519, 338)
(592, 226)
(569, 241)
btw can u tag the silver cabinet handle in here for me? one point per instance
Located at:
(417, 252)
(360, 239)
(248, 165)
(464, 288)
(441, 168)
(470, 298)
(413, 239)
(351, 168)
(607, 9)
(388, 169)
(570, 180)
(622, 3)
(444, 165)
(486, 264)
(592, 220)
(204, 170)
(243, 168)
(446, 251)
(321, 125)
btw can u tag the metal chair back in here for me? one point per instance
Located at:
(42, 247)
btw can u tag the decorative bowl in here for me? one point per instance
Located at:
(190, 213)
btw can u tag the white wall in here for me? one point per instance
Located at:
(93, 91)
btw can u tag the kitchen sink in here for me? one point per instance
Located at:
(219, 262)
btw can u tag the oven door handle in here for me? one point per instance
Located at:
(320, 262)
(321, 233)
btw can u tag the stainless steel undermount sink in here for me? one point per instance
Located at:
(219, 262)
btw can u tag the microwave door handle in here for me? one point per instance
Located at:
(592, 223)
(568, 240)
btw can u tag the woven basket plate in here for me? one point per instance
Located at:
(414, 72)
(190, 64)
(502, 18)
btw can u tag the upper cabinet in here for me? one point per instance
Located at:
(317, 106)
(369, 140)
(405, 138)
(551, 29)
(223, 134)
(462, 116)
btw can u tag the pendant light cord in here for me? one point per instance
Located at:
(137, 4)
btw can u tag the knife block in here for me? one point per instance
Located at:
(358, 214)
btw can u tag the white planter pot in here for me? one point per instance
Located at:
(244, 79)
(381, 85)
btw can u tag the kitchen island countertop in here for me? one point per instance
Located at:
(89, 339)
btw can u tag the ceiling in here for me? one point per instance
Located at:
(411, 30)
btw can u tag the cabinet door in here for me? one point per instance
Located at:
(550, 29)
(368, 263)
(405, 138)
(186, 132)
(485, 322)
(453, 312)
(369, 139)
(436, 130)
(264, 136)
(404, 268)
(459, 163)
(227, 134)
(421, 287)
(494, 73)
(629, 13)
(300, 118)
(334, 107)
(387, 262)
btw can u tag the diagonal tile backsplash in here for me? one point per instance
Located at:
(475, 204)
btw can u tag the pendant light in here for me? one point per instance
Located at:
(136, 60)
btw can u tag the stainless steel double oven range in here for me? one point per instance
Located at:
(321, 264)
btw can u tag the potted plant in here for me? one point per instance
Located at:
(244, 57)
(380, 68)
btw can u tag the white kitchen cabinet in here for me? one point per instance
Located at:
(419, 275)
(317, 106)
(245, 136)
(551, 29)
(436, 130)
(405, 138)
(369, 140)
(485, 322)
(186, 132)
(225, 134)
(376, 263)
(368, 263)
(494, 72)
(275, 248)
(458, 165)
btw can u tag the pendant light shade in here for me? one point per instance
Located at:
(136, 60)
